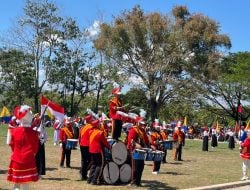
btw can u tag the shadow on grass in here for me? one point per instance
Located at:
(51, 169)
(55, 179)
(172, 173)
(75, 168)
(3, 171)
(153, 184)
(175, 163)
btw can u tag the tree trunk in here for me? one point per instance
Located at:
(154, 109)
(97, 97)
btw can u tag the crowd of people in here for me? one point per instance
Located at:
(27, 136)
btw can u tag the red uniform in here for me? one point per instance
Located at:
(179, 138)
(66, 133)
(24, 144)
(97, 141)
(113, 104)
(84, 135)
(137, 135)
(245, 153)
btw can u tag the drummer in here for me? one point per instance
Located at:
(156, 138)
(84, 147)
(97, 142)
(179, 139)
(164, 136)
(115, 105)
(137, 139)
(66, 132)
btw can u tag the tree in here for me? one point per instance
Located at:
(17, 75)
(231, 88)
(37, 34)
(161, 52)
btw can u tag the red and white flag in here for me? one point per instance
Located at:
(56, 110)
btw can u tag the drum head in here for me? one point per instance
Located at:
(125, 173)
(111, 173)
(119, 153)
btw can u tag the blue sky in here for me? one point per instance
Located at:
(233, 16)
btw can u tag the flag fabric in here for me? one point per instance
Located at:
(56, 110)
(217, 127)
(248, 125)
(236, 128)
(185, 121)
(49, 114)
(5, 112)
(5, 115)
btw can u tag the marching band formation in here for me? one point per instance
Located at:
(106, 158)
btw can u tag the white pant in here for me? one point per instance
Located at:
(56, 136)
(21, 186)
(245, 167)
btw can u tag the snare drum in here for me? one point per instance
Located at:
(150, 156)
(71, 143)
(111, 173)
(139, 154)
(125, 173)
(158, 155)
(168, 145)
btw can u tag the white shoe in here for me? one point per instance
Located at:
(55, 144)
(155, 173)
(244, 178)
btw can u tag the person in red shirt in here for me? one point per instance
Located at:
(84, 147)
(115, 105)
(24, 145)
(155, 144)
(179, 140)
(97, 143)
(66, 132)
(245, 155)
(137, 139)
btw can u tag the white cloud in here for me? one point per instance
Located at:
(94, 29)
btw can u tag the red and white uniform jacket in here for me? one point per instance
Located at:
(245, 153)
(137, 135)
(113, 104)
(84, 135)
(65, 133)
(97, 141)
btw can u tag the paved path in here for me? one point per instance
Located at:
(239, 185)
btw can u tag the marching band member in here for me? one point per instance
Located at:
(56, 126)
(12, 125)
(179, 139)
(205, 139)
(155, 145)
(137, 138)
(97, 142)
(231, 141)
(84, 147)
(214, 142)
(40, 156)
(65, 133)
(245, 155)
(164, 136)
(24, 145)
(115, 105)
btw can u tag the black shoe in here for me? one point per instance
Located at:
(68, 167)
(84, 178)
(61, 166)
(180, 160)
(93, 183)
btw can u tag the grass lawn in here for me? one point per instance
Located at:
(219, 165)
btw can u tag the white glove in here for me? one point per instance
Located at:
(60, 145)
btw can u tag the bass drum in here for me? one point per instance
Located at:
(119, 153)
(111, 173)
(125, 173)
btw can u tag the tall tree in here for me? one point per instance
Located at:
(160, 51)
(37, 33)
(231, 88)
(17, 75)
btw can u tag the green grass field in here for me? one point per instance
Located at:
(219, 165)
